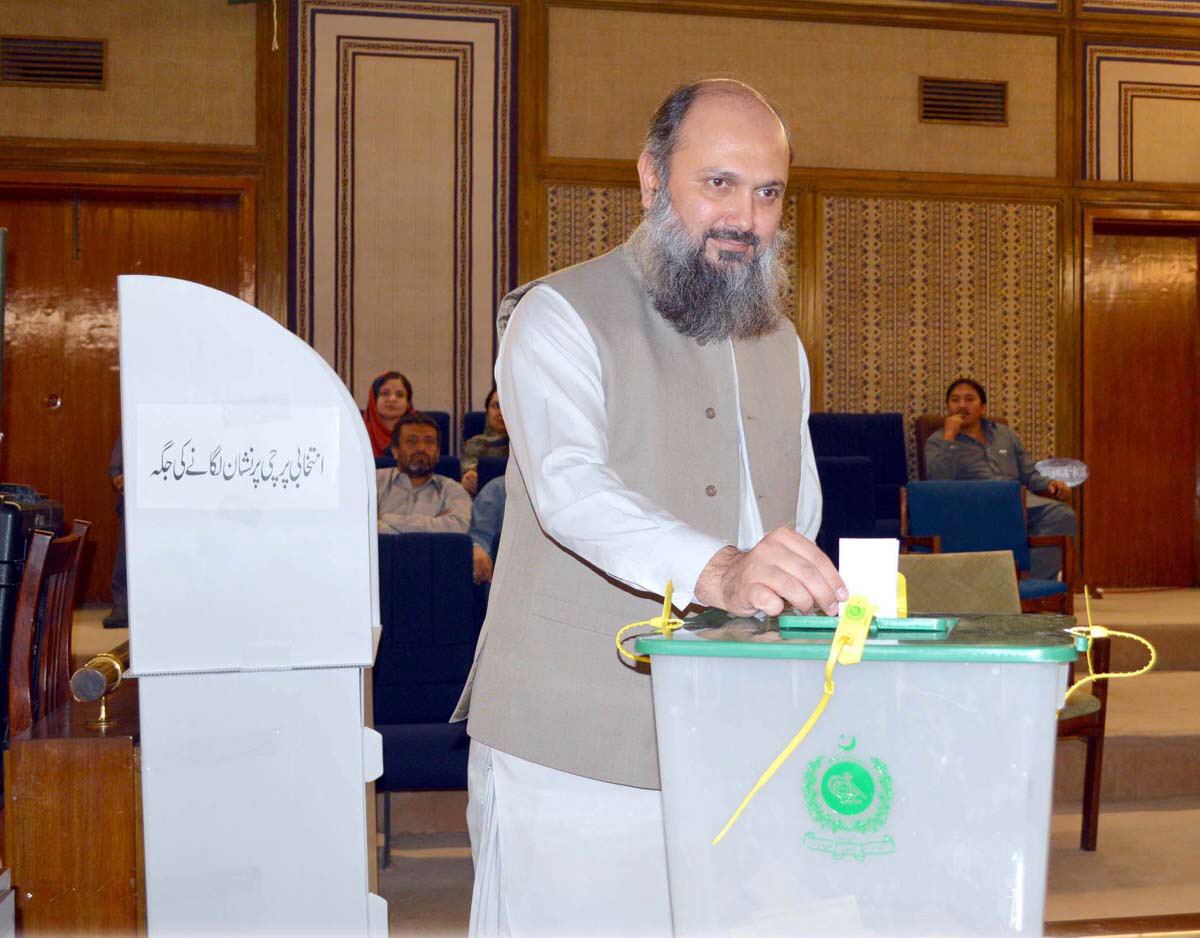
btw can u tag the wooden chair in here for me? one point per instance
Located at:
(40, 671)
(985, 582)
(1083, 718)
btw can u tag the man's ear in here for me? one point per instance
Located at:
(648, 178)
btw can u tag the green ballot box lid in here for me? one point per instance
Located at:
(992, 638)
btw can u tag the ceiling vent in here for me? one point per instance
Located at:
(958, 101)
(52, 62)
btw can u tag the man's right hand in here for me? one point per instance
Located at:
(953, 424)
(783, 569)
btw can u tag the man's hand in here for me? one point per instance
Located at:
(783, 569)
(470, 481)
(481, 565)
(952, 425)
(1059, 490)
(118, 483)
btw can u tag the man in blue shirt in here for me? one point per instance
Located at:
(487, 515)
(972, 447)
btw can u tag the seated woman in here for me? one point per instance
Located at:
(389, 400)
(493, 441)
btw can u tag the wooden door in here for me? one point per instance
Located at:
(61, 392)
(1140, 325)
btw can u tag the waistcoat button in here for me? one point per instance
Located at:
(710, 490)
(709, 413)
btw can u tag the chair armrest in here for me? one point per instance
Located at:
(1067, 543)
(933, 542)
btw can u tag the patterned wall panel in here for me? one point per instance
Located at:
(585, 221)
(917, 292)
(1142, 113)
(404, 183)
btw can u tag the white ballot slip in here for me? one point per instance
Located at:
(868, 567)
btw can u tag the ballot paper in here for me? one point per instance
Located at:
(868, 567)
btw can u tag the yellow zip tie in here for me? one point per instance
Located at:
(1098, 631)
(663, 623)
(853, 627)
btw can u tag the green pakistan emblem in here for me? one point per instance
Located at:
(850, 798)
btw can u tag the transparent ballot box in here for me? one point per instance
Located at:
(918, 803)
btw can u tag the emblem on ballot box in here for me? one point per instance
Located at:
(850, 799)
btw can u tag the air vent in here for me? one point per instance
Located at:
(957, 101)
(52, 62)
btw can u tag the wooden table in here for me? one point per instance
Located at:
(72, 810)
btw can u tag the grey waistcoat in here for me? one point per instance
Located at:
(548, 684)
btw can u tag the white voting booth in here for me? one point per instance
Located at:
(251, 537)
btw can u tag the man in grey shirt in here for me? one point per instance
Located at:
(412, 497)
(972, 447)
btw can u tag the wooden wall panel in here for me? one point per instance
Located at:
(178, 71)
(1141, 338)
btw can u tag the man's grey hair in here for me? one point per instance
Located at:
(663, 134)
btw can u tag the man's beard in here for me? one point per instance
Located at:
(418, 467)
(707, 302)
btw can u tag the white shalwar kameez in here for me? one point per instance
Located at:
(558, 854)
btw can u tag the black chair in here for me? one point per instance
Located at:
(489, 468)
(442, 419)
(847, 501)
(431, 613)
(878, 437)
(474, 422)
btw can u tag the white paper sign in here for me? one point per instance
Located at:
(868, 566)
(236, 457)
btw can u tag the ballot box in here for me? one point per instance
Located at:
(253, 601)
(918, 804)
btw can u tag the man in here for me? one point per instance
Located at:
(972, 447)
(118, 618)
(412, 497)
(487, 517)
(642, 396)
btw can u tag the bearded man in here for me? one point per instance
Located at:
(657, 408)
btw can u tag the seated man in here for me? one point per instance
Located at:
(972, 447)
(412, 497)
(487, 515)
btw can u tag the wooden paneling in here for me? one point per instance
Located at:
(34, 334)
(1139, 403)
(271, 250)
(67, 245)
(73, 822)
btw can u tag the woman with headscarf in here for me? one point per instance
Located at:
(389, 400)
